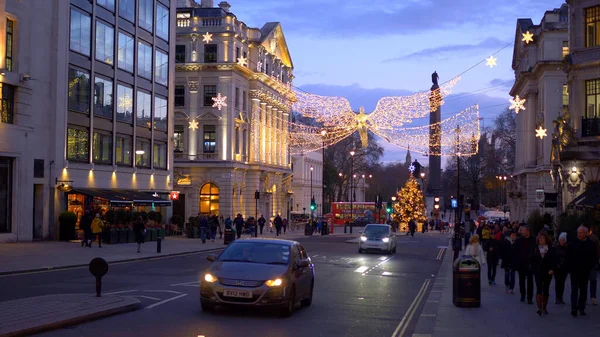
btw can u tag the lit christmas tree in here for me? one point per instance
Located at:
(410, 203)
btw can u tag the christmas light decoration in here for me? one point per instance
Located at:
(259, 66)
(527, 37)
(410, 203)
(517, 104)
(491, 61)
(412, 168)
(540, 132)
(207, 38)
(193, 125)
(242, 61)
(219, 101)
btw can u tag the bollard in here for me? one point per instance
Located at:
(158, 244)
(98, 267)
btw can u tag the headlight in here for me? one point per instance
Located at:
(363, 238)
(386, 240)
(209, 278)
(274, 283)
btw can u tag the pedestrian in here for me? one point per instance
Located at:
(278, 224)
(239, 224)
(228, 222)
(412, 227)
(594, 271)
(475, 250)
(580, 259)
(456, 243)
(524, 247)
(86, 226)
(261, 223)
(486, 235)
(139, 231)
(213, 223)
(284, 223)
(97, 227)
(507, 252)
(492, 258)
(204, 229)
(560, 267)
(542, 266)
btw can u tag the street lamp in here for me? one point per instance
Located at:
(502, 180)
(312, 197)
(352, 153)
(393, 202)
(323, 133)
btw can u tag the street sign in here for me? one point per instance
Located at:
(454, 203)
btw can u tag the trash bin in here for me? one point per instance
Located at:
(466, 282)
(308, 229)
(228, 236)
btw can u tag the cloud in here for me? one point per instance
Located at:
(498, 82)
(441, 51)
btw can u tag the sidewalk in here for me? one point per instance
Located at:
(500, 314)
(31, 315)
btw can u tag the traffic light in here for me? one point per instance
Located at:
(389, 207)
(436, 203)
(313, 204)
(379, 202)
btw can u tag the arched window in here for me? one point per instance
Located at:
(209, 199)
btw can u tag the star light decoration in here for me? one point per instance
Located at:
(517, 104)
(412, 168)
(207, 38)
(219, 101)
(491, 61)
(193, 125)
(540, 132)
(242, 61)
(527, 37)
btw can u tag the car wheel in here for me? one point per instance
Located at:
(288, 310)
(207, 306)
(308, 301)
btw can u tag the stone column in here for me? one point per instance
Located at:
(254, 143)
(252, 181)
(263, 132)
(193, 113)
(285, 134)
(268, 135)
(275, 136)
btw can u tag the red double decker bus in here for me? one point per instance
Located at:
(344, 211)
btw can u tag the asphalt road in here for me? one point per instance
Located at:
(355, 294)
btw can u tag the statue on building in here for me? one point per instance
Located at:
(562, 136)
(435, 78)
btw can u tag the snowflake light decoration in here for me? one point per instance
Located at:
(242, 61)
(219, 101)
(491, 61)
(527, 37)
(412, 168)
(540, 132)
(207, 38)
(517, 104)
(193, 125)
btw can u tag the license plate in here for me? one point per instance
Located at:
(237, 293)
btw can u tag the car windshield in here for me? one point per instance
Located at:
(256, 252)
(377, 230)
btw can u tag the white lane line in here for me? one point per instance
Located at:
(165, 301)
(163, 291)
(361, 269)
(120, 292)
(184, 284)
(441, 253)
(148, 297)
(403, 325)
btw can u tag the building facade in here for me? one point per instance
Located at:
(307, 183)
(541, 81)
(232, 107)
(87, 109)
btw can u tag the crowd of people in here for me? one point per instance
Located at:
(210, 225)
(536, 261)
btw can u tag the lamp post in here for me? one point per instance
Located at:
(393, 202)
(341, 175)
(352, 153)
(457, 221)
(323, 133)
(502, 180)
(423, 191)
(311, 194)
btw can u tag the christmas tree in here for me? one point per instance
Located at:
(410, 203)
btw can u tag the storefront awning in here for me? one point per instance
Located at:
(123, 197)
(590, 198)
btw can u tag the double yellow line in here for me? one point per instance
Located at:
(404, 323)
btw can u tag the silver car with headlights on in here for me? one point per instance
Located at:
(378, 237)
(259, 273)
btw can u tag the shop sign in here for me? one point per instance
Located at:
(174, 195)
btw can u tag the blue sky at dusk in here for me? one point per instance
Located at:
(365, 50)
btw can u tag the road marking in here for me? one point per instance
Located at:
(186, 284)
(441, 253)
(361, 269)
(164, 291)
(428, 315)
(148, 297)
(403, 325)
(120, 292)
(165, 301)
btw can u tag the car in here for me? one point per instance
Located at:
(268, 273)
(379, 237)
(362, 221)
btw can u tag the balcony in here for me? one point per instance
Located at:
(590, 127)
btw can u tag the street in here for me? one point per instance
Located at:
(355, 294)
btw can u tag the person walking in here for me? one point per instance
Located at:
(524, 247)
(475, 250)
(86, 226)
(278, 224)
(580, 259)
(239, 224)
(213, 223)
(204, 229)
(139, 231)
(594, 272)
(492, 258)
(508, 252)
(560, 267)
(97, 227)
(261, 223)
(284, 224)
(542, 266)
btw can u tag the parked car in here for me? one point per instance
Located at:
(379, 237)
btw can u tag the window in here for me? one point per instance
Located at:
(145, 60)
(210, 139)
(8, 62)
(7, 102)
(125, 52)
(592, 26)
(6, 197)
(178, 138)
(180, 53)
(108, 4)
(210, 91)
(102, 148)
(266, 68)
(161, 73)
(123, 149)
(142, 152)
(160, 113)
(105, 41)
(79, 90)
(236, 140)
(565, 48)
(237, 98)
(81, 32)
(103, 93)
(565, 95)
(146, 11)
(127, 9)
(592, 99)
(244, 100)
(210, 53)
(162, 22)
(180, 95)
(144, 109)
(160, 155)
(77, 145)
(244, 146)
(125, 104)
(237, 53)
(209, 199)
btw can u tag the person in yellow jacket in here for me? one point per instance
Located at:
(97, 227)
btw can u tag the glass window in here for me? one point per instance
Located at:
(146, 10)
(210, 139)
(183, 19)
(210, 53)
(180, 53)
(125, 52)
(127, 9)
(8, 61)
(6, 197)
(77, 145)
(144, 109)
(79, 90)
(103, 93)
(209, 199)
(161, 73)
(81, 32)
(102, 148)
(162, 22)
(123, 150)
(565, 95)
(160, 155)
(105, 43)
(592, 99)
(210, 91)
(592, 26)
(142, 152)
(180, 95)
(244, 100)
(565, 48)
(108, 4)
(145, 60)
(125, 104)
(160, 113)
(178, 138)
(237, 98)
(7, 102)
(237, 53)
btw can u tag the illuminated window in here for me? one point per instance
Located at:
(592, 98)
(210, 53)
(77, 145)
(565, 95)
(565, 48)
(162, 22)
(7, 103)
(123, 150)
(592, 26)
(209, 199)
(124, 104)
(178, 138)
(79, 90)
(102, 148)
(144, 60)
(160, 155)
(9, 45)
(160, 113)
(127, 9)
(183, 19)
(81, 32)
(144, 109)
(210, 139)
(210, 91)
(161, 71)
(105, 42)
(103, 93)
(146, 14)
(125, 52)
(142, 152)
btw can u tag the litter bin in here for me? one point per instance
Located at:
(228, 236)
(466, 282)
(308, 229)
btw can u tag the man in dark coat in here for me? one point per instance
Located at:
(239, 224)
(524, 247)
(86, 226)
(278, 224)
(581, 257)
(261, 223)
